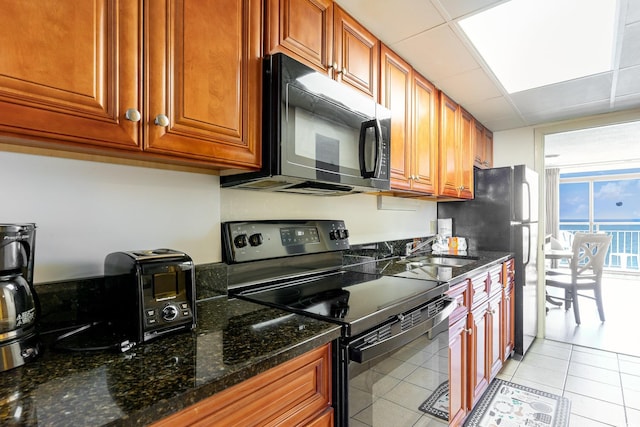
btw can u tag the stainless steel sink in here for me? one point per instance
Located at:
(422, 261)
(448, 261)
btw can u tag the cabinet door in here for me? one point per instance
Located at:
(478, 352)
(488, 148)
(508, 322)
(302, 29)
(69, 71)
(465, 154)
(448, 137)
(478, 136)
(424, 136)
(296, 393)
(356, 54)
(496, 309)
(203, 74)
(458, 338)
(395, 94)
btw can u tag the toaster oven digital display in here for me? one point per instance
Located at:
(165, 286)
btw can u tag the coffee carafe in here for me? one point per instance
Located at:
(19, 307)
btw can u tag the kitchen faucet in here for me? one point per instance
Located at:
(410, 249)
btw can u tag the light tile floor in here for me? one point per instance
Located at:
(604, 387)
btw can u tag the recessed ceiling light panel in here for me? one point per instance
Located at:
(533, 43)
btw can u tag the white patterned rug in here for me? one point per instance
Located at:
(506, 404)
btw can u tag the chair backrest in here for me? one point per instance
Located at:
(589, 252)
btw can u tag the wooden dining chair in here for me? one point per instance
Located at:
(586, 265)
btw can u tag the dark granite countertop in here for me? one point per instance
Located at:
(234, 341)
(411, 267)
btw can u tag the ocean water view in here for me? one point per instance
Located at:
(624, 252)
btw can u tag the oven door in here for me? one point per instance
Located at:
(395, 368)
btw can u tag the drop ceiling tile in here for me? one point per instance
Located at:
(626, 102)
(470, 87)
(570, 112)
(628, 81)
(494, 108)
(504, 124)
(457, 8)
(437, 54)
(391, 22)
(561, 96)
(630, 55)
(633, 11)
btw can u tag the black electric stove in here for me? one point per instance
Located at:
(297, 266)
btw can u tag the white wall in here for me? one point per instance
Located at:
(514, 147)
(85, 210)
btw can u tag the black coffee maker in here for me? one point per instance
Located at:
(19, 308)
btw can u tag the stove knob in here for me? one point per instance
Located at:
(345, 233)
(169, 313)
(334, 235)
(240, 241)
(255, 239)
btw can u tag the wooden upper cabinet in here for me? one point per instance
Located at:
(448, 146)
(412, 100)
(325, 37)
(303, 29)
(203, 73)
(465, 152)
(396, 78)
(456, 150)
(425, 135)
(483, 139)
(72, 76)
(78, 81)
(356, 54)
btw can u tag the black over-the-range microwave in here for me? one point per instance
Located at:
(319, 136)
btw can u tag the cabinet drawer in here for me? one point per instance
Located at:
(479, 289)
(460, 293)
(294, 393)
(495, 284)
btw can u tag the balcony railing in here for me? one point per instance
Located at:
(624, 252)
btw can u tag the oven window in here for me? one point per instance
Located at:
(390, 390)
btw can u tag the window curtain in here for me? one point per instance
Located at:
(552, 209)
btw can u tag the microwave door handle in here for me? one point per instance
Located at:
(375, 172)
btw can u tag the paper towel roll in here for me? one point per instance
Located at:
(445, 227)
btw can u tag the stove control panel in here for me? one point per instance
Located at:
(256, 240)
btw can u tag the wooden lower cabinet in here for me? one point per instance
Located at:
(480, 336)
(297, 392)
(480, 323)
(458, 371)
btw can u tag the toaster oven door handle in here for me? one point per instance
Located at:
(363, 351)
(377, 166)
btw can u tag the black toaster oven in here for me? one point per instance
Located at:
(150, 293)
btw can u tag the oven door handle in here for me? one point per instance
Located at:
(363, 352)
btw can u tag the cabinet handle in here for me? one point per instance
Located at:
(161, 120)
(132, 115)
(469, 331)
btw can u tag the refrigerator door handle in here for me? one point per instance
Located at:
(527, 200)
(526, 244)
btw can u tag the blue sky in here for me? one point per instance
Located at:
(614, 200)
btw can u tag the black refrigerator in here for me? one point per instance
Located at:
(503, 216)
